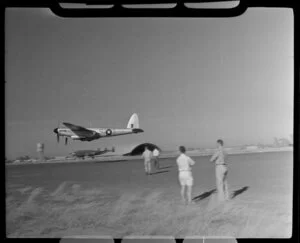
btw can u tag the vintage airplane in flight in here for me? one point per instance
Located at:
(81, 154)
(89, 134)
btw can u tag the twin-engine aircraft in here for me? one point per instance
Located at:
(81, 154)
(89, 134)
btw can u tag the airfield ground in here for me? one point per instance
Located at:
(118, 199)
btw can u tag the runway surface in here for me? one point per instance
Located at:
(260, 184)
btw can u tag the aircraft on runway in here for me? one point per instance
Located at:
(90, 153)
(89, 134)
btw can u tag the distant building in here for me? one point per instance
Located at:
(283, 142)
(251, 147)
(261, 146)
(276, 142)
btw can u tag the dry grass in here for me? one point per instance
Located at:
(71, 209)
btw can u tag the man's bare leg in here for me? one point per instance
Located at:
(189, 194)
(182, 194)
(226, 191)
(149, 167)
(220, 186)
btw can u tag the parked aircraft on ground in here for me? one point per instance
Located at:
(90, 153)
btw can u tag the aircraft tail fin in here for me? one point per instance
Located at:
(133, 121)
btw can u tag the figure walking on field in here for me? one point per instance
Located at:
(184, 163)
(147, 155)
(221, 172)
(155, 158)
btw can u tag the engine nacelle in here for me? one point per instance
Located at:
(74, 137)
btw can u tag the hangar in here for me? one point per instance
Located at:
(139, 149)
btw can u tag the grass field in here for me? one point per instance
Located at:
(118, 199)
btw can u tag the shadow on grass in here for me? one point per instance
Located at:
(107, 161)
(203, 195)
(239, 191)
(158, 172)
(166, 167)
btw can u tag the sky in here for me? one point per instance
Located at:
(191, 81)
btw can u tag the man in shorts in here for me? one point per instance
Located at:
(147, 155)
(155, 158)
(184, 163)
(221, 172)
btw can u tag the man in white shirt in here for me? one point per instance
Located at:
(147, 155)
(155, 158)
(184, 163)
(221, 171)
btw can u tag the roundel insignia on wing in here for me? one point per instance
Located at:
(108, 132)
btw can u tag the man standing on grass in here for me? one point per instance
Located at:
(184, 163)
(155, 158)
(221, 172)
(147, 155)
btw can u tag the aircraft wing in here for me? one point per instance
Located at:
(79, 131)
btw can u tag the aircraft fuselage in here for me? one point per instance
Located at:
(99, 133)
(89, 134)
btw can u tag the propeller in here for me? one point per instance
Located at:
(56, 131)
(113, 149)
(57, 135)
(66, 140)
